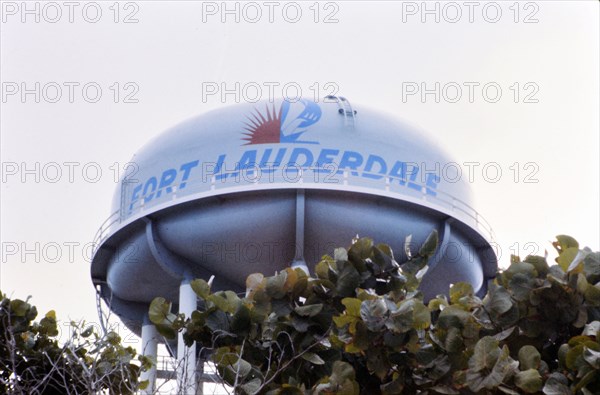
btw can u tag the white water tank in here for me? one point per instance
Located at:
(256, 187)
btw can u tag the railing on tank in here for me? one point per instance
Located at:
(104, 230)
(194, 186)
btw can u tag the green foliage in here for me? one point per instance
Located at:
(361, 326)
(32, 361)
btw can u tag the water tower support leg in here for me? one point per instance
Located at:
(149, 349)
(186, 356)
(300, 216)
(443, 244)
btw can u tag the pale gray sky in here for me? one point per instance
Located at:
(545, 123)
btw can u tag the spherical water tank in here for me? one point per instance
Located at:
(257, 187)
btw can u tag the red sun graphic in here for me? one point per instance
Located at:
(263, 128)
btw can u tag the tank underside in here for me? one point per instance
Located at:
(233, 235)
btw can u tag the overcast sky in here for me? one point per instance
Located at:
(512, 87)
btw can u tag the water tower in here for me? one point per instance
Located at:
(260, 186)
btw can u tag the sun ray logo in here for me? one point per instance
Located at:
(285, 125)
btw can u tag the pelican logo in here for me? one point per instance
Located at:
(285, 125)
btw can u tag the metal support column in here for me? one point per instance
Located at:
(299, 258)
(443, 244)
(186, 356)
(149, 349)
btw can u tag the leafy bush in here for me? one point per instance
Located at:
(32, 361)
(361, 326)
